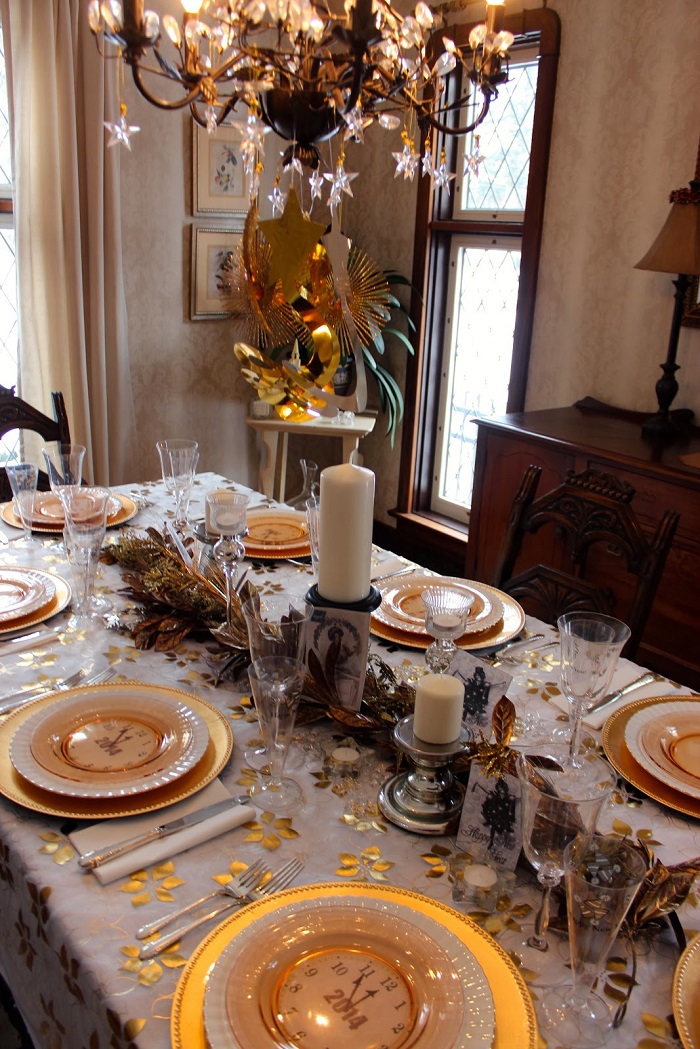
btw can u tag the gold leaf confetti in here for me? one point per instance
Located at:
(138, 901)
(173, 882)
(163, 870)
(347, 859)
(133, 1027)
(64, 855)
(131, 951)
(163, 895)
(377, 875)
(150, 974)
(173, 961)
(271, 842)
(382, 865)
(612, 992)
(347, 872)
(131, 886)
(133, 965)
(621, 828)
(51, 836)
(254, 835)
(49, 849)
(654, 1024)
(616, 965)
(373, 853)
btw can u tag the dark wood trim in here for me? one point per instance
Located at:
(6, 205)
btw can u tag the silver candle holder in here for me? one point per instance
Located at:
(426, 798)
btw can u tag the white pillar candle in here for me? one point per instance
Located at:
(437, 716)
(345, 533)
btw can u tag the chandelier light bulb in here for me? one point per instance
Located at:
(191, 7)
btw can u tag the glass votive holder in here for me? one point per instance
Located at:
(477, 882)
(343, 757)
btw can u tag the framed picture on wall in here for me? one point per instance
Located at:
(209, 248)
(691, 312)
(218, 180)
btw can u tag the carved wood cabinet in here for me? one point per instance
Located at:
(591, 435)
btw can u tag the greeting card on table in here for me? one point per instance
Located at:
(483, 687)
(491, 817)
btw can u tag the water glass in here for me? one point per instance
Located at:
(178, 462)
(86, 521)
(23, 478)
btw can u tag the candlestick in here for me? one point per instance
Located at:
(438, 711)
(345, 533)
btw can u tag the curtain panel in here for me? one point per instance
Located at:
(73, 332)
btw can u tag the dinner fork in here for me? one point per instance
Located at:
(80, 677)
(237, 888)
(280, 880)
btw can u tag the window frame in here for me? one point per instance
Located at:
(420, 529)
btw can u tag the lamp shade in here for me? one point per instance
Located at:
(677, 247)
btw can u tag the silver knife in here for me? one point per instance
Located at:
(645, 679)
(90, 860)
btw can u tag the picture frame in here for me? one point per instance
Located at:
(208, 249)
(218, 179)
(691, 312)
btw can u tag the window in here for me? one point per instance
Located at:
(8, 272)
(476, 259)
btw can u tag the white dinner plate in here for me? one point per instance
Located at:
(23, 591)
(665, 740)
(367, 972)
(110, 742)
(277, 534)
(403, 609)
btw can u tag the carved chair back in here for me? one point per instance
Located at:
(16, 414)
(589, 510)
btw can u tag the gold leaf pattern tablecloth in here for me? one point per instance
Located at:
(67, 944)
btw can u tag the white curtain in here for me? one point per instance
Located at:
(72, 312)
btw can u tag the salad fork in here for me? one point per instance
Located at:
(280, 880)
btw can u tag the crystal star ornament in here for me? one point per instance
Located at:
(427, 166)
(441, 175)
(337, 247)
(316, 183)
(340, 182)
(356, 124)
(475, 159)
(406, 161)
(292, 238)
(120, 133)
(278, 199)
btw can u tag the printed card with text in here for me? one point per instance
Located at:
(491, 818)
(483, 687)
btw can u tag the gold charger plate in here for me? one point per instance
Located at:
(621, 759)
(504, 630)
(515, 1013)
(19, 790)
(125, 513)
(277, 534)
(61, 597)
(402, 606)
(686, 995)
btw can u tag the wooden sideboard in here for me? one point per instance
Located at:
(592, 435)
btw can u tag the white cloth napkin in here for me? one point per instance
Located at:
(111, 832)
(392, 564)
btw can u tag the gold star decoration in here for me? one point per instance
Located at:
(292, 238)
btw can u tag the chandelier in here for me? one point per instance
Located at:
(307, 70)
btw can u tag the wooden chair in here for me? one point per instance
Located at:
(589, 510)
(16, 414)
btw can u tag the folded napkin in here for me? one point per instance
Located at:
(392, 564)
(111, 832)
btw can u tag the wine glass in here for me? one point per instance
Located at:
(590, 647)
(85, 511)
(64, 465)
(178, 462)
(601, 883)
(560, 804)
(23, 478)
(276, 683)
(226, 514)
(446, 614)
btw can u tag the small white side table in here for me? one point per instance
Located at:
(275, 431)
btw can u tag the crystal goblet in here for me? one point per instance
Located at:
(276, 683)
(446, 614)
(23, 478)
(602, 880)
(226, 514)
(590, 647)
(85, 511)
(560, 805)
(178, 462)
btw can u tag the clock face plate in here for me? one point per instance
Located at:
(112, 741)
(330, 974)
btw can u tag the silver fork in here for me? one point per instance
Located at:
(237, 888)
(80, 677)
(280, 880)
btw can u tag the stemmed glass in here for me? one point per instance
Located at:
(23, 478)
(178, 462)
(601, 883)
(226, 514)
(86, 521)
(276, 683)
(590, 647)
(312, 520)
(64, 465)
(446, 614)
(560, 804)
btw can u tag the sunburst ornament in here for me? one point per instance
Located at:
(363, 310)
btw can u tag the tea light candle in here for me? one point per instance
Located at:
(479, 876)
(345, 755)
(437, 716)
(447, 620)
(225, 512)
(208, 523)
(345, 533)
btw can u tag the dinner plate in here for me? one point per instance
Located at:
(667, 744)
(23, 591)
(109, 743)
(371, 972)
(508, 626)
(61, 596)
(48, 508)
(403, 609)
(514, 1012)
(277, 534)
(19, 790)
(621, 759)
(122, 506)
(686, 995)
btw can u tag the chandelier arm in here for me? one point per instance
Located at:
(447, 130)
(162, 103)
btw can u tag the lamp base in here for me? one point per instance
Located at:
(667, 425)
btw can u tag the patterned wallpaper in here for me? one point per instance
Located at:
(626, 126)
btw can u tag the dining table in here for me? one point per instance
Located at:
(68, 945)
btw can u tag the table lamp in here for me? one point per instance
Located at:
(675, 250)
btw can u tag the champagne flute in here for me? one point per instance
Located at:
(86, 521)
(590, 647)
(601, 883)
(560, 804)
(276, 683)
(226, 514)
(23, 478)
(178, 461)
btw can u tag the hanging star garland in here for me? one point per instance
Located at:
(406, 160)
(340, 183)
(292, 238)
(121, 132)
(316, 183)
